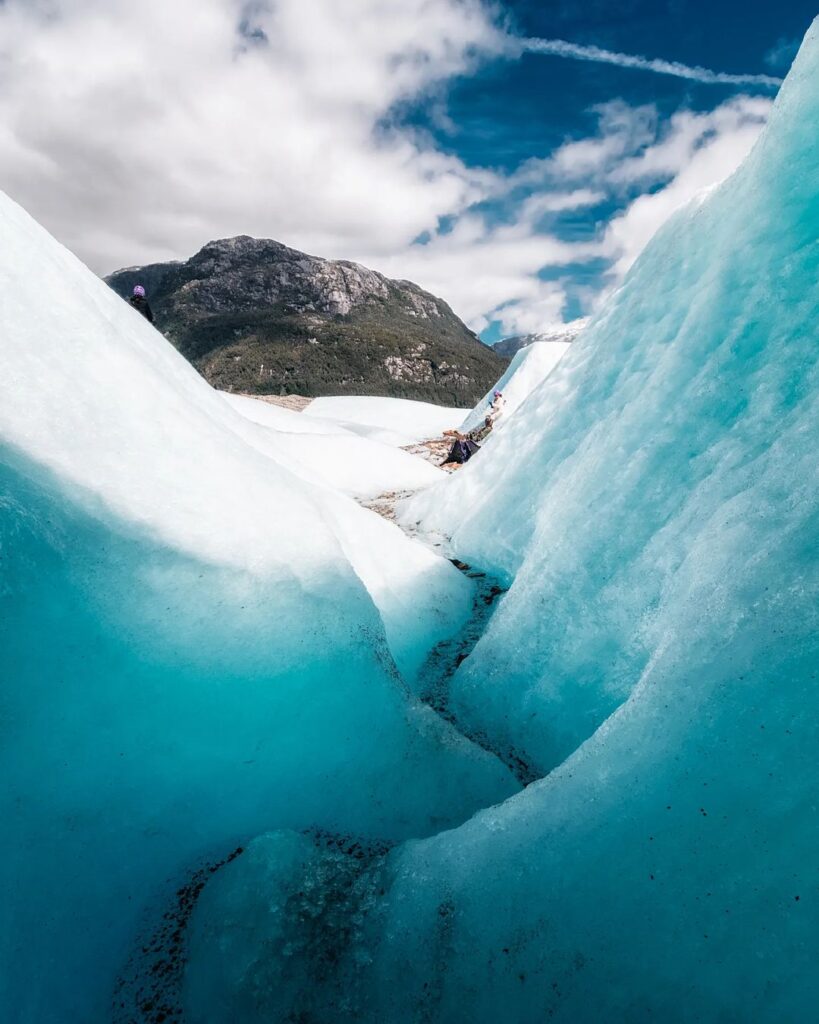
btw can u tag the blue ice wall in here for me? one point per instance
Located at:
(187, 656)
(157, 712)
(660, 433)
(658, 649)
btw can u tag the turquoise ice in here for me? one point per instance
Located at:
(198, 642)
(653, 507)
(662, 445)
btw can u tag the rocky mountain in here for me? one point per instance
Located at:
(566, 332)
(256, 316)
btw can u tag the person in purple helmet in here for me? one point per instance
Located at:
(140, 303)
(496, 407)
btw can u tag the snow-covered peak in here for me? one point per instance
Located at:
(560, 333)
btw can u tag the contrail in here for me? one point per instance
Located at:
(560, 48)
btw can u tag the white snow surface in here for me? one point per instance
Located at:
(397, 421)
(324, 451)
(530, 366)
(276, 416)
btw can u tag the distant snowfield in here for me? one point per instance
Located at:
(325, 451)
(393, 421)
(279, 418)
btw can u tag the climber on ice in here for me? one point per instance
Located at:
(496, 407)
(140, 303)
(464, 446)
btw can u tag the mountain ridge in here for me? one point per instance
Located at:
(507, 347)
(257, 316)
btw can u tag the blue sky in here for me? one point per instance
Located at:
(514, 111)
(423, 138)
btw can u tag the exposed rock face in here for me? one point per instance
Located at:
(256, 316)
(566, 332)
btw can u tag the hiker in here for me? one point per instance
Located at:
(496, 407)
(464, 446)
(462, 450)
(140, 303)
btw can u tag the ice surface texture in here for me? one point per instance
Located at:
(653, 506)
(664, 443)
(196, 643)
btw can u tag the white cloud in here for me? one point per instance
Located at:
(622, 131)
(541, 203)
(142, 131)
(139, 132)
(698, 152)
(782, 54)
(561, 48)
(538, 314)
(687, 132)
(490, 272)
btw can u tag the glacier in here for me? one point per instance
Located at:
(222, 801)
(200, 639)
(651, 508)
